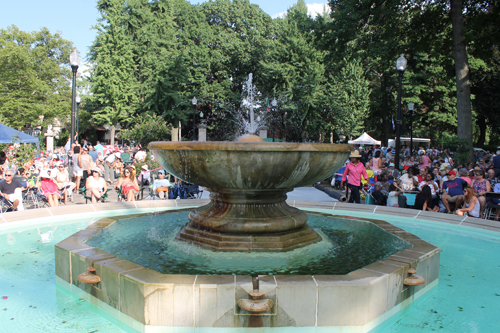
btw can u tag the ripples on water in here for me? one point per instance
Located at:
(347, 245)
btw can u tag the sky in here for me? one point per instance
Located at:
(74, 18)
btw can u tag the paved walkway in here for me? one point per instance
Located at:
(308, 193)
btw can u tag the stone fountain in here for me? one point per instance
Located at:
(248, 182)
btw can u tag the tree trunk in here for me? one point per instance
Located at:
(464, 113)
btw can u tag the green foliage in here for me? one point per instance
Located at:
(486, 88)
(460, 147)
(334, 71)
(113, 82)
(350, 98)
(147, 129)
(34, 76)
(151, 163)
(24, 152)
(294, 70)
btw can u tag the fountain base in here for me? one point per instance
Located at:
(275, 242)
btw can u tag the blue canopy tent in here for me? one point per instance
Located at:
(7, 135)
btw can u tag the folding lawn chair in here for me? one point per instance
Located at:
(193, 191)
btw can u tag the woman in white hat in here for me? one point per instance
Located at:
(354, 169)
(96, 185)
(49, 187)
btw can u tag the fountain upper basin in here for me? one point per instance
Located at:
(250, 165)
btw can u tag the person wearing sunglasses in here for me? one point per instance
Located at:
(11, 190)
(96, 185)
(62, 179)
(128, 184)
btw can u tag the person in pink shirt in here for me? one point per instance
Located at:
(354, 170)
(424, 160)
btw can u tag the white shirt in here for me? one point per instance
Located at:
(160, 183)
(431, 185)
(111, 158)
(140, 156)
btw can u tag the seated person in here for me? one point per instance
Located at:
(395, 197)
(423, 200)
(408, 181)
(453, 190)
(96, 185)
(496, 201)
(393, 171)
(62, 179)
(49, 188)
(161, 185)
(179, 190)
(471, 203)
(492, 179)
(144, 176)
(481, 186)
(378, 195)
(12, 190)
(464, 174)
(431, 183)
(128, 184)
(422, 172)
(21, 177)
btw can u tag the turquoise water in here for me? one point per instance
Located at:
(467, 298)
(149, 241)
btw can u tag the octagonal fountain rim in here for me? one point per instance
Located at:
(251, 146)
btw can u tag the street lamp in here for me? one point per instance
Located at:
(410, 107)
(274, 103)
(74, 60)
(400, 66)
(77, 119)
(194, 101)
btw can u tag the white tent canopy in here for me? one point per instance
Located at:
(364, 139)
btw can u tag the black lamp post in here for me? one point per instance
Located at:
(194, 101)
(74, 60)
(274, 103)
(410, 107)
(77, 118)
(400, 66)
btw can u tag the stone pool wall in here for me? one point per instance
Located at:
(355, 302)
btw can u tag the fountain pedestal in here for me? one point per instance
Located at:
(248, 220)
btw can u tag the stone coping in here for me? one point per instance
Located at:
(250, 146)
(30, 214)
(151, 298)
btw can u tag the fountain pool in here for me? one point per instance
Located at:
(465, 300)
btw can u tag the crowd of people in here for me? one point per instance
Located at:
(84, 169)
(431, 175)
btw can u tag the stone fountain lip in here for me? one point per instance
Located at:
(250, 146)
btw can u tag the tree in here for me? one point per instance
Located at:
(293, 69)
(373, 32)
(350, 98)
(148, 128)
(34, 74)
(486, 89)
(462, 70)
(113, 81)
